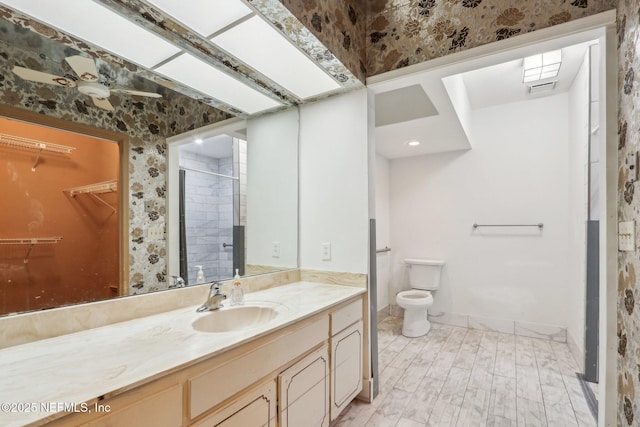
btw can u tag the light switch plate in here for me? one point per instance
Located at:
(155, 233)
(627, 236)
(632, 166)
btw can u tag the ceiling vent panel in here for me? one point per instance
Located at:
(542, 88)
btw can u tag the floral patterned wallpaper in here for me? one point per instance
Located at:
(628, 329)
(401, 33)
(340, 26)
(374, 36)
(146, 121)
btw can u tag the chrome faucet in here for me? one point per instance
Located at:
(215, 299)
(178, 282)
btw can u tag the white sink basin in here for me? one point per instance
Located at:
(237, 318)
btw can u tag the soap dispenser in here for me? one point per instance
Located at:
(200, 275)
(237, 293)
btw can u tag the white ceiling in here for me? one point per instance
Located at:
(488, 80)
(502, 83)
(218, 147)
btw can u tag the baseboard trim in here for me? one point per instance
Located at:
(505, 326)
(576, 352)
(383, 313)
(366, 395)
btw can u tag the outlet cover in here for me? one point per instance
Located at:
(627, 236)
(325, 251)
(275, 249)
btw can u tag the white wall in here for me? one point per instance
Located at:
(272, 189)
(577, 196)
(516, 173)
(334, 183)
(383, 237)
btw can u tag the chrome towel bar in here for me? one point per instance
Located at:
(539, 225)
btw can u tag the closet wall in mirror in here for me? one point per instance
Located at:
(59, 225)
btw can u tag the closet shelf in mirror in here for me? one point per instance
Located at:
(31, 241)
(33, 144)
(95, 189)
(13, 141)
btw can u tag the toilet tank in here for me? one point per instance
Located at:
(424, 273)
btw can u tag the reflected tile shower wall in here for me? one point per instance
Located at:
(208, 216)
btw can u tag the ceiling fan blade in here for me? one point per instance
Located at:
(137, 92)
(102, 103)
(85, 68)
(40, 77)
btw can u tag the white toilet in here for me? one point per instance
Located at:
(424, 276)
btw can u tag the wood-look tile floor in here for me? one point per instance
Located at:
(456, 376)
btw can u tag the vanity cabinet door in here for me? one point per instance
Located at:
(254, 408)
(303, 391)
(346, 367)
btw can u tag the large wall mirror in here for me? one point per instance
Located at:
(103, 219)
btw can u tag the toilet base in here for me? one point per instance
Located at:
(415, 323)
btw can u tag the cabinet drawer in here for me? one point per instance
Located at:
(160, 409)
(346, 316)
(303, 391)
(216, 385)
(255, 408)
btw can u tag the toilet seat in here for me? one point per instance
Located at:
(415, 303)
(414, 298)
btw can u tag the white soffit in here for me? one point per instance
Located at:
(201, 76)
(260, 46)
(403, 104)
(204, 16)
(98, 25)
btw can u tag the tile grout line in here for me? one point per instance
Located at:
(493, 377)
(544, 405)
(469, 379)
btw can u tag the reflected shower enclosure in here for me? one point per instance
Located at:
(212, 183)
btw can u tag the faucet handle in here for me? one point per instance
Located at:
(215, 287)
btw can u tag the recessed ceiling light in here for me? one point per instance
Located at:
(198, 141)
(258, 44)
(413, 143)
(542, 66)
(201, 76)
(204, 16)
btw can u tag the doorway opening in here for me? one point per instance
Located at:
(470, 165)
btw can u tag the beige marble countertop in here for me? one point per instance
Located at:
(80, 367)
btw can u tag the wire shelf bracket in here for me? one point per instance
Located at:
(13, 141)
(31, 242)
(94, 190)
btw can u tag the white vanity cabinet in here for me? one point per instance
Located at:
(303, 374)
(346, 356)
